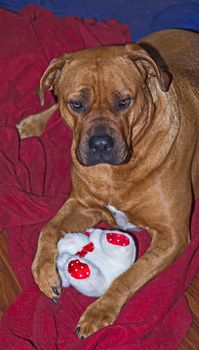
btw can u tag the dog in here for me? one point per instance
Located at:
(134, 112)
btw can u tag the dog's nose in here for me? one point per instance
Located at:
(101, 145)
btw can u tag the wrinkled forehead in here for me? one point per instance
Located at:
(104, 70)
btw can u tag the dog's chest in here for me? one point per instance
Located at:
(112, 188)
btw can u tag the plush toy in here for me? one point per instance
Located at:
(90, 261)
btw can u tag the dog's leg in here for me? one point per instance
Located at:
(72, 217)
(167, 243)
(34, 125)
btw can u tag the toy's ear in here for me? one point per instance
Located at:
(147, 66)
(52, 74)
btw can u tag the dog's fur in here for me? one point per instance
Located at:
(136, 126)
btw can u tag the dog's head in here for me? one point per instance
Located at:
(104, 97)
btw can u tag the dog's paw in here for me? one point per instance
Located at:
(98, 315)
(47, 279)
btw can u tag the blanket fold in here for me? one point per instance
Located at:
(35, 182)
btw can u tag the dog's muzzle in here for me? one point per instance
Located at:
(102, 148)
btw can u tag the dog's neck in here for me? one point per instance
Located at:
(156, 143)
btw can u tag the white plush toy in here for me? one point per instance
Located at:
(90, 261)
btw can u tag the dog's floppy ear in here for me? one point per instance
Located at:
(146, 65)
(51, 76)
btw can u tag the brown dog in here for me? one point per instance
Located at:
(138, 129)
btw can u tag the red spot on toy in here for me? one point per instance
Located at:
(87, 233)
(89, 247)
(117, 239)
(86, 249)
(78, 270)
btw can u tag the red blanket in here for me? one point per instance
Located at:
(35, 182)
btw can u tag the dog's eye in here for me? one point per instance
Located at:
(123, 103)
(77, 105)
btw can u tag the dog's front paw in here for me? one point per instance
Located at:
(47, 278)
(98, 315)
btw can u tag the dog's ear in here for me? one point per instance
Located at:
(51, 76)
(147, 66)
